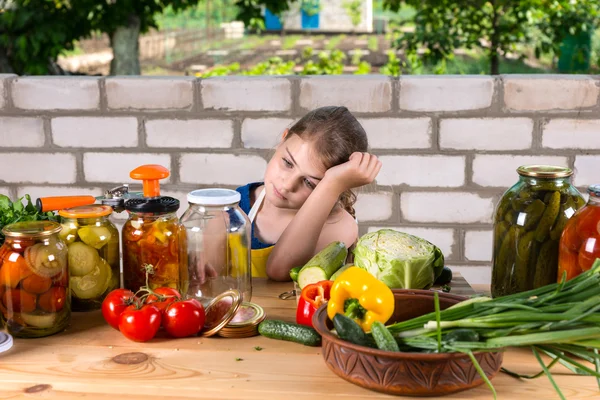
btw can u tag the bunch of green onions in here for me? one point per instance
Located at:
(561, 320)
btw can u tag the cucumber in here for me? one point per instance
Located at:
(383, 337)
(281, 330)
(323, 264)
(339, 271)
(348, 330)
(294, 273)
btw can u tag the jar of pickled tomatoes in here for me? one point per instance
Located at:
(34, 280)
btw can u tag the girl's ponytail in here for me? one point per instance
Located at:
(347, 201)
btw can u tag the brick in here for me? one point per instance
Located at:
(398, 133)
(535, 93)
(422, 171)
(246, 94)
(94, 132)
(4, 88)
(157, 93)
(360, 94)
(486, 133)
(114, 168)
(221, 169)
(46, 191)
(572, 134)
(263, 133)
(474, 275)
(501, 170)
(454, 93)
(586, 170)
(38, 168)
(478, 245)
(442, 238)
(56, 93)
(21, 132)
(5, 191)
(192, 133)
(446, 207)
(179, 195)
(374, 206)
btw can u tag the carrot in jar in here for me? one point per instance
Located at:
(13, 270)
(589, 251)
(569, 238)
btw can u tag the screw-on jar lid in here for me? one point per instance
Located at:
(90, 211)
(33, 229)
(6, 342)
(594, 190)
(161, 204)
(213, 197)
(544, 171)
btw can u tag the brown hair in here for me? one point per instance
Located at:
(337, 134)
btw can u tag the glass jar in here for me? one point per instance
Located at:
(153, 235)
(580, 240)
(35, 299)
(528, 222)
(93, 245)
(218, 233)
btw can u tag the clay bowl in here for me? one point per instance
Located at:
(407, 374)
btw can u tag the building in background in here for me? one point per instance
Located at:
(324, 16)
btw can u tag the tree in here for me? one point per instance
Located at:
(496, 26)
(251, 11)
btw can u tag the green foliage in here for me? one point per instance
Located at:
(273, 66)
(307, 52)
(11, 212)
(334, 41)
(392, 67)
(250, 11)
(289, 42)
(373, 43)
(364, 68)
(195, 17)
(221, 70)
(327, 64)
(311, 7)
(354, 10)
(356, 56)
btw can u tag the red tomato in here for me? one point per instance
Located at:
(163, 291)
(140, 324)
(184, 318)
(114, 304)
(589, 251)
(53, 300)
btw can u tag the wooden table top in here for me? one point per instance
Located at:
(92, 360)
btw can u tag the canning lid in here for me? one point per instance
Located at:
(161, 204)
(31, 229)
(89, 211)
(6, 342)
(544, 171)
(220, 311)
(245, 322)
(594, 190)
(213, 197)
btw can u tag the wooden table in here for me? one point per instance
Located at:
(94, 361)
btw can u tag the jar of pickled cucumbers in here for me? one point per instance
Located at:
(528, 223)
(93, 245)
(153, 236)
(35, 299)
(580, 240)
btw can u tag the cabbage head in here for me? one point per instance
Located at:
(399, 260)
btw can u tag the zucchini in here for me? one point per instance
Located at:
(294, 273)
(348, 330)
(282, 330)
(383, 337)
(324, 264)
(339, 271)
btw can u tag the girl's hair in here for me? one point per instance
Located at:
(336, 134)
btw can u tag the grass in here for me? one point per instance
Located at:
(289, 42)
(478, 64)
(372, 43)
(334, 42)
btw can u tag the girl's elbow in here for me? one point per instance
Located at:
(276, 273)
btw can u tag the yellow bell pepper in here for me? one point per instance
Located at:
(359, 295)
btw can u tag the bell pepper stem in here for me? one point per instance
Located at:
(353, 309)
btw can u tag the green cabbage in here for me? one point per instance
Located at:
(399, 260)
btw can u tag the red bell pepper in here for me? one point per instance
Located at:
(311, 298)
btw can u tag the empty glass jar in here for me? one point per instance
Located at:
(218, 234)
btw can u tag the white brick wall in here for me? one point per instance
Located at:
(246, 94)
(422, 171)
(48, 191)
(38, 168)
(442, 238)
(95, 131)
(445, 93)
(543, 92)
(587, 170)
(3, 88)
(224, 169)
(115, 167)
(473, 274)
(21, 132)
(150, 93)
(371, 94)
(264, 133)
(374, 206)
(5, 191)
(478, 245)
(56, 93)
(398, 133)
(572, 134)
(446, 207)
(212, 133)
(501, 170)
(486, 133)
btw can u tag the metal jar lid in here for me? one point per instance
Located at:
(31, 229)
(594, 190)
(544, 171)
(89, 211)
(220, 311)
(245, 322)
(213, 197)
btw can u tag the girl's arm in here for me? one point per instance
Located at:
(298, 242)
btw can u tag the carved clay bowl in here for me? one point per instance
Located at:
(407, 374)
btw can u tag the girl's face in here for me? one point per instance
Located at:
(293, 173)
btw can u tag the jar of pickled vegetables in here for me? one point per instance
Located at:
(528, 223)
(218, 235)
(580, 240)
(35, 299)
(153, 236)
(93, 245)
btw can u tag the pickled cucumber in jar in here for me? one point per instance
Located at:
(528, 223)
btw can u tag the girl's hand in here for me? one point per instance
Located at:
(361, 169)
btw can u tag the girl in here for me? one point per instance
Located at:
(305, 201)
